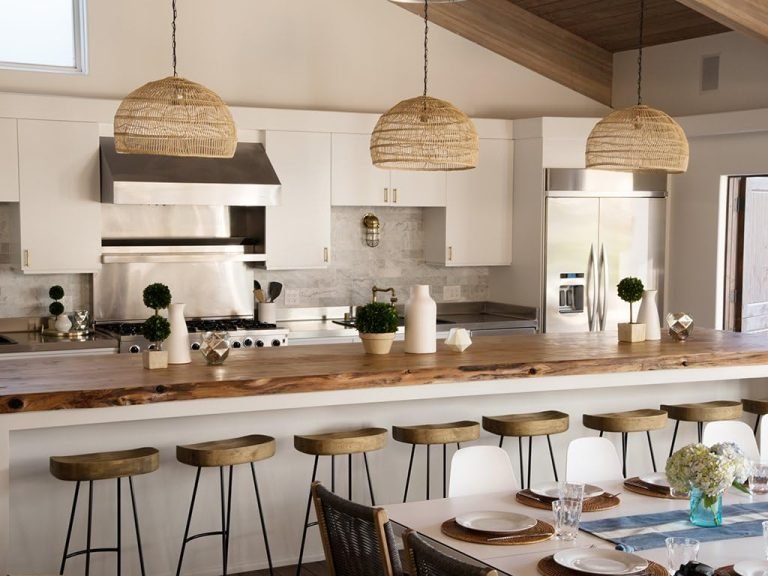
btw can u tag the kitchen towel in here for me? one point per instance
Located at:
(645, 531)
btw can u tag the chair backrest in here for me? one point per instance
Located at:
(592, 459)
(357, 539)
(732, 431)
(481, 470)
(425, 560)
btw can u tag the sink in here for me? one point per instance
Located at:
(6, 340)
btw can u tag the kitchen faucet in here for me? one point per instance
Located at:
(376, 289)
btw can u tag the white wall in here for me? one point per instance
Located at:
(350, 55)
(672, 75)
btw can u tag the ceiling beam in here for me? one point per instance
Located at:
(518, 35)
(747, 16)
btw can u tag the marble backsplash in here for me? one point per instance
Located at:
(397, 261)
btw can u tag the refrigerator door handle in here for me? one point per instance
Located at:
(591, 300)
(602, 289)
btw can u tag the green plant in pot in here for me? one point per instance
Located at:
(630, 289)
(59, 321)
(156, 328)
(377, 323)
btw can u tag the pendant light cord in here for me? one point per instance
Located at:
(426, 49)
(173, 36)
(640, 55)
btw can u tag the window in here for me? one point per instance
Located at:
(43, 35)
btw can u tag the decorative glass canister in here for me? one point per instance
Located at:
(215, 347)
(706, 511)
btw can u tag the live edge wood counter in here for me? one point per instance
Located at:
(120, 380)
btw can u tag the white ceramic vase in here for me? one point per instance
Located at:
(63, 323)
(177, 343)
(420, 321)
(648, 314)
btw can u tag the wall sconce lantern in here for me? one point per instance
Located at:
(371, 223)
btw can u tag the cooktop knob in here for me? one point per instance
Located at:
(195, 346)
(134, 349)
(248, 342)
(260, 343)
(237, 344)
(276, 342)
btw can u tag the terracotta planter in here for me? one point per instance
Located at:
(154, 359)
(631, 332)
(377, 343)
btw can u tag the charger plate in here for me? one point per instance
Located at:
(596, 504)
(639, 486)
(548, 567)
(539, 533)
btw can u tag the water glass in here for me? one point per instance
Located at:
(215, 347)
(681, 551)
(570, 491)
(567, 514)
(758, 477)
(765, 539)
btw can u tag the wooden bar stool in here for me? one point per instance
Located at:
(757, 407)
(338, 444)
(528, 425)
(220, 453)
(429, 434)
(103, 466)
(643, 420)
(701, 412)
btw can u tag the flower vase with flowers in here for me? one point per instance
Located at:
(707, 472)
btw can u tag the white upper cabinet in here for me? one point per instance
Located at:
(9, 161)
(59, 198)
(357, 182)
(475, 228)
(298, 231)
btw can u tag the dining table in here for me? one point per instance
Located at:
(516, 559)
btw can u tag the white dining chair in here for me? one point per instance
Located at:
(481, 470)
(734, 431)
(592, 459)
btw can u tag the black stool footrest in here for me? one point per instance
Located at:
(92, 550)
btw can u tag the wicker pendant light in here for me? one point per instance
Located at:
(424, 133)
(175, 117)
(639, 137)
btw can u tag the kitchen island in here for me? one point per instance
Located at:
(69, 405)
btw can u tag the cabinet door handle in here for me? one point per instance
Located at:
(26, 258)
(450, 253)
(325, 254)
(394, 195)
(386, 194)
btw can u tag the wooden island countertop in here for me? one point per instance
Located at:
(119, 380)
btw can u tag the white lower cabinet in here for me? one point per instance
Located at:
(9, 161)
(475, 227)
(299, 229)
(59, 220)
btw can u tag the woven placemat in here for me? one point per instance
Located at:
(539, 533)
(725, 571)
(548, 567)
(634, 484)
(602, 502)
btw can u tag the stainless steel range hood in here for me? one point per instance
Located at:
(247, 179)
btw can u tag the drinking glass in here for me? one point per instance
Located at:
(765, 539)
(567, 514)
(215, 347)
(758, 477)
(681, 551)
(570, 491)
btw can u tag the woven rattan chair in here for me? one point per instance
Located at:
(357, 539)
(424, 560)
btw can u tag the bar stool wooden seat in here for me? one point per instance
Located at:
(757, 407)
(345, 443)
(229, 452)
(103, 466)
(528, 425)
(643, 420)
(429, 434)
(701, 412)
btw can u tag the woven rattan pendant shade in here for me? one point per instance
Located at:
(638, 138)
(424, 133)
(175, 117)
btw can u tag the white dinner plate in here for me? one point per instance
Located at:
(550, 490)
(751, 568)
(600, 561)
(657, 479)
(490, 521)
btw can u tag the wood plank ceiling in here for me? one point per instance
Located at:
(573, 41)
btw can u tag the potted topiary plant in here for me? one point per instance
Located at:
(60, 321)
(630, 290)
(377, 323)
(156, 328)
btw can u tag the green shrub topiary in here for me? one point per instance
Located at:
(56, 293)
(376, 318)
(156, 328)
(630, 289)
(157, 296)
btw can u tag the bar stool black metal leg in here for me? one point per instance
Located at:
(601, 433)
(624, 439)
(333, 474)
(136, 527)
(349, 476)
(757, 423)
(229, 522)
(69, 530)
(90, 524)
(261, 517)
(119, 563)
(700, 429)
(674, 437)
(501, 441)
(445, 481)
(306, 519)
(520, 450)
(530, 452)
(189, 521)
(408, 477)
(650, 447)
(552, 457)
(368, 474)
(223, 521)
(427, 471)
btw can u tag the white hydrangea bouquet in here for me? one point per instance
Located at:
(707, 472)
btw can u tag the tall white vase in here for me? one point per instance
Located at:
(420, 321)
(649, 315)
(177, 343)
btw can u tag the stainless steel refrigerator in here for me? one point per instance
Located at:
(600, 227)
